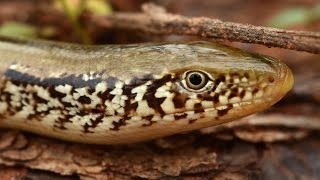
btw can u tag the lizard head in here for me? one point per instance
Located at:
(206, 85)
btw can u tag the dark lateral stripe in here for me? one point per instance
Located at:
(135, 81)
(50, 84)
(73, 80)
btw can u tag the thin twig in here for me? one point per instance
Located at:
(156, 20)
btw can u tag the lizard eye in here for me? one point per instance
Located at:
(196, 80)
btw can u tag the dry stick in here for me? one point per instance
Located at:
(156, 20)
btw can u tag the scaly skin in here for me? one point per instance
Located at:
(130, 93)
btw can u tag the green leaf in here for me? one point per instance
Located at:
(18, 29)
(289, 17)
(98, 7)
(294, 16)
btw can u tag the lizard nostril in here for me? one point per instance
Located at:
(271, 79)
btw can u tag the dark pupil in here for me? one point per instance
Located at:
(195, 79)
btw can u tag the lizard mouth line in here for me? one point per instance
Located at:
(219, 108)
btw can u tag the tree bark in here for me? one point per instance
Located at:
(156, 20)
